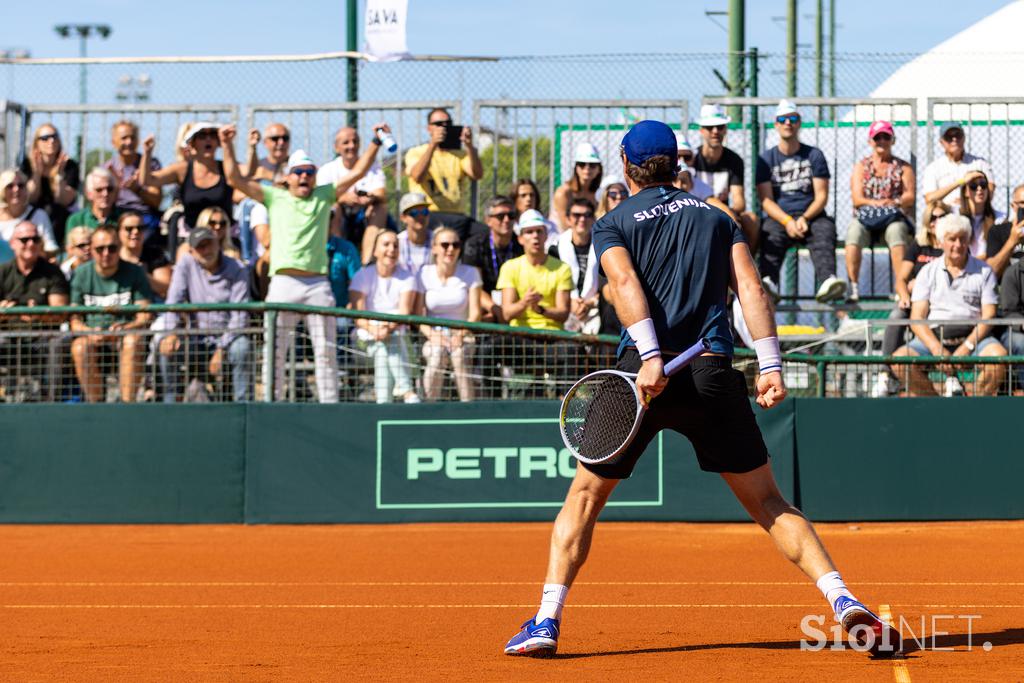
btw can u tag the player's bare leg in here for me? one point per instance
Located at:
(793, 534)
(570, 544)
(574, 526)
(795, 537)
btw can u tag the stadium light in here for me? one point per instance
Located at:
(83, 32)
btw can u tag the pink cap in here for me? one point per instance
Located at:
(880, 127)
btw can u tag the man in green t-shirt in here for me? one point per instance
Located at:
(101, 193)
(299, 219)
(106, 281)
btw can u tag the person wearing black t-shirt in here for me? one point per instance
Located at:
(1001, 249)
(488, 251)
(722, 169)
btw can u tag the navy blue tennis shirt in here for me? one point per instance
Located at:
(680, 248)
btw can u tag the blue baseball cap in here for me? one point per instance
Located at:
(647, 139)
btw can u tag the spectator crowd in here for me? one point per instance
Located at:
(277, 226)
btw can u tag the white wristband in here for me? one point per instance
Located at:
(769, 357)
(642, 334)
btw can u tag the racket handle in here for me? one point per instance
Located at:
(683, 359)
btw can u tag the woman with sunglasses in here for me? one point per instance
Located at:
(385, 287)
(882, 188)
(976, 204)
(217, 220)
(200, 177)
(15, 208)
(130, 230)
(584, 182)
(612, 195)
(53, 178)
(451, 290)
(923, 249)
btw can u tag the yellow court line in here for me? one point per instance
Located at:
(899, 663)
(271, 584)
(46, 606)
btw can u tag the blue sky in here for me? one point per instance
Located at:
(525, 27)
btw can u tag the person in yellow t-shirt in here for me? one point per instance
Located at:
(442, 174)
(535, 289)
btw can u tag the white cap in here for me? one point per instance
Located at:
(786, 107)
(199, 126)
(530, 218)
(682, 144)
(586, 153)
(299, 158)
(712, 115)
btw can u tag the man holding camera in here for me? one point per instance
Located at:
(440, 170)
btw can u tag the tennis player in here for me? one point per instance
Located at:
(670, 259)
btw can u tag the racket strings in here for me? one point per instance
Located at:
(599, 415)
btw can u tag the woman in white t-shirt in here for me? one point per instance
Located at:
(14, 208)
(384, 287)
(451, 290)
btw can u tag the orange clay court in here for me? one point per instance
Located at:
(661, 601)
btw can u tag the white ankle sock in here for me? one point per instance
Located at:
(831, 586)
(552, 602)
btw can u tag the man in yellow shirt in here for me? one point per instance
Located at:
(443, 174)
(535, 290)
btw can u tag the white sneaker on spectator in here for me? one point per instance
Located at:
(412, 398)
(854, 294)
(771, 288)
(831, 289)
(953, 387)
(884, 385)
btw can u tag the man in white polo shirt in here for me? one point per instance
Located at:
(950, 171)
(299, 224)
(954, 287)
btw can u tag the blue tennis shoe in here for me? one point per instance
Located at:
(535, 640)
(873, 634)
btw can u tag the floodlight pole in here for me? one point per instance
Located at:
(84, 32)
(737, 46)
(791, 18)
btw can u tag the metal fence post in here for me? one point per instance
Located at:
(269, 354)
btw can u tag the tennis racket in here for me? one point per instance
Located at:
(602, 412)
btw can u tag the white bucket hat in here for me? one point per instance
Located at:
(712, 115)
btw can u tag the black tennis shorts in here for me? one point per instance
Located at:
(707, 403)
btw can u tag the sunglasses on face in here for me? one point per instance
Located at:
(720, 128)
(936, 216)
(978, 185)
(588, 164)
(503, 216)
(449, 245)
(35, 239)
(687, 158)
(132, 228)
(788, 118)
(418, 213)
(882, 137)
(206, 134)
(106, 249)
(47, 137)
(616, 194)
(576, 216)
(217, 224)
(952, 137)
(445, 123)
(304, 171)
(280, 138)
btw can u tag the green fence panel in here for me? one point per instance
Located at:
(455, 462)
(906, 459)
(122, 463)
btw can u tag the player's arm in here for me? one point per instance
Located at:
(760, 319)
(631, 308)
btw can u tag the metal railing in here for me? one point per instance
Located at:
(536, 138)
(12, 133)
(313, 127)
(429, 359)
(86, 129)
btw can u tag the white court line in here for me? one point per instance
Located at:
(450, 606)
(899, 663)
(270, 584)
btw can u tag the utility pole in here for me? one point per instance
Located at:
(737, 46)
(352, 33)
(819, 50)
(831, 48)
(791, 19)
